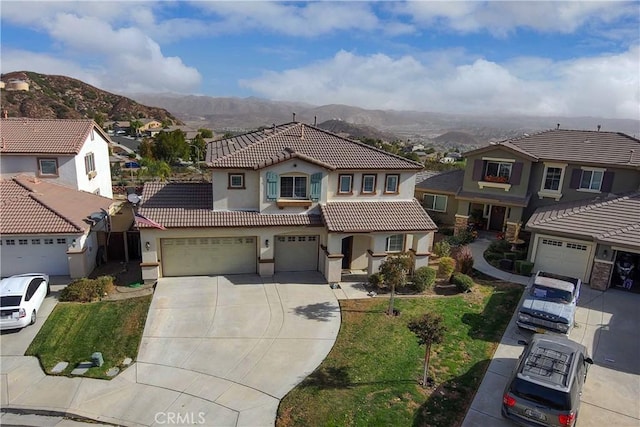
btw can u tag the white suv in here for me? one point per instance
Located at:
(20, 299)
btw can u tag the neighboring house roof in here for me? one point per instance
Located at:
(189, 205)
(448, 182)
(258, 149)
(32, 206)
(424, 174)
(575, 146)
(46, 136)
(613, 221)
(494, 198)
(363, 217)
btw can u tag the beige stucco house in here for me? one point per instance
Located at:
(286, 198)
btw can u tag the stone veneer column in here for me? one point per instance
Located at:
(600, 275)
(462, 222)
(510, 231)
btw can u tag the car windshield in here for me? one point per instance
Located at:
(548, 397)
(10, 301)
(551, 294)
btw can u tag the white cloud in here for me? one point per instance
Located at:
(606, 86)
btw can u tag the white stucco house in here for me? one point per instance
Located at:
(70, 152)
(291, 197)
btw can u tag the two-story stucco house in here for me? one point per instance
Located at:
(74, 153)
(287, 198)
(535, 180)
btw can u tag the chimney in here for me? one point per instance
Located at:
(557, 126)
(315, 120)
(630, 155)
(599, 128)
(294, 117)
(274, 128)
(302, 131)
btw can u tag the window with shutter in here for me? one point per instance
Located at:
(272, 186)
(316, 186)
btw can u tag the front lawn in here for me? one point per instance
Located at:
(74, 331)
(370, 377)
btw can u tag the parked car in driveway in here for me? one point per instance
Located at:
(549, 303)
(546, 385)
(20, 299)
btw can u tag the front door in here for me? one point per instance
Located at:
(347, 243)
(497, 218)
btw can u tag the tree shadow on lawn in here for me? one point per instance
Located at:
(448, 403)
(322, 311)
(338, 377)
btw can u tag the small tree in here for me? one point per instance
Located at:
(206, 133)
(394, 271)
(429, 329)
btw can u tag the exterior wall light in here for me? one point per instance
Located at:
(266, 243)
(147, 245)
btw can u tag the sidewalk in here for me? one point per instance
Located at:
(479, 263)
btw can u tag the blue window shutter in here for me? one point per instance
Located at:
(576, 175)
(272, 186)
(316, 182)
(478, 166)
(516, 173)
(607, 182)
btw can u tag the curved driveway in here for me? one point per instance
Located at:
(216, 351)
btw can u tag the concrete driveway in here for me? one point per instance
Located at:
(216, 351)
(607, 324)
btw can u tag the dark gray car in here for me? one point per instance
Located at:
(545, 387)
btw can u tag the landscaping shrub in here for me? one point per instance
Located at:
(464, 237)
(442, 248)
(499, 246)
(518, 265)
(446, 267)
(87, 290)
(424, 278)
(376, 280)
(521, 254)
(510, 256)
(464, 260)
(525, 268)
(492, 256)
(463, 282)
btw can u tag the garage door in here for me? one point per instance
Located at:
(296, 253)
(569, 258)
(208, 256)
(42, 255)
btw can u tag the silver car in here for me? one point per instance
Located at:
(20, 299)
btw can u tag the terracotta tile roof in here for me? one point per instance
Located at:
(576, 146)
(376, 216)
(187, 205)
(45, 136)
(31, 206)
(494, 198)
(276, 144)
(614, 221)
(448, 182)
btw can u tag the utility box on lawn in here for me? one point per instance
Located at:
(96, 359)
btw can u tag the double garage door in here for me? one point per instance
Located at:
(208, 256)
(569, 258)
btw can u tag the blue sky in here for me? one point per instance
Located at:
(539, 58)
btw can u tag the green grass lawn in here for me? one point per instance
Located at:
(370, 377)
(74, 331)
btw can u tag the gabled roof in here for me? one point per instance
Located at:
(190, 205)
(448, 182)
(495, 198)
(614, 221)
(575, 146)
(364, 217)
(504, 145)
(32, 206)
(45, 136)
(258, 149)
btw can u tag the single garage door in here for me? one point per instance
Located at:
(296, 253)
(569, 258)
(208, 256)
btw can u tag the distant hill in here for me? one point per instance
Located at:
(455, 137)
(356, 131)
(60, 97)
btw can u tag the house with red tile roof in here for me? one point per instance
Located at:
(570, 188)
(50, 228)
(286, 198)
(71, 152)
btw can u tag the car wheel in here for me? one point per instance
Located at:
(33, 317)
(48, 289)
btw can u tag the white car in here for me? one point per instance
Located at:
(20, 299)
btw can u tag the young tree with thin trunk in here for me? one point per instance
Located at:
(429, 329)
(394, 272)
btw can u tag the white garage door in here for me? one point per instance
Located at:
(34, 255)
(208, 256)
(296, 253)
(569, 258)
